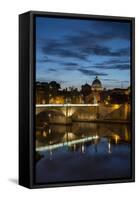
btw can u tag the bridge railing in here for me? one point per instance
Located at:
(64, 105)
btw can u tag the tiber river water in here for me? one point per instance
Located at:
(83, 152)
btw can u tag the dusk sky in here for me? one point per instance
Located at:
(72, 52)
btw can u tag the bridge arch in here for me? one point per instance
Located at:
(50, 116)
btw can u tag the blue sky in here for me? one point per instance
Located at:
(72, 52)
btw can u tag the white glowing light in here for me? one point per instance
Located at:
(65, 105)
(54, 146)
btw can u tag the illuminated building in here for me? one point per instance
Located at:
(96, 85)
(96, 89)
(57, 100)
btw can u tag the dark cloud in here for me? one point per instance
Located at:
(70, 68)
(116, 61)
(108, 33)
(117, 30)
(114, 80)
(99, 50)
(82, 45)
(83, 53)
(91, 43)
(119, 67)
(64, 52)
(52, 70)
(61, 49)
(110, 80)
(91, 72)
(45, 59)
(70, 64)
(112, 66)
(72, 54)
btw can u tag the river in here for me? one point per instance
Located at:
(83, 152)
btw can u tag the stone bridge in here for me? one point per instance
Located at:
(66, 113)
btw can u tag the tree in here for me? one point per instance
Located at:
(54, 86)
(86, 89)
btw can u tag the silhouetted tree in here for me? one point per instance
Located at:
(54, 86)
(86, 89)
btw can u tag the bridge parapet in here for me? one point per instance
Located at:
(84, 112)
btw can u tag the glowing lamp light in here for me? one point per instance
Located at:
(116, 106)
(116, 138)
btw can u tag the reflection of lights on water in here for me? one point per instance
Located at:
(116, 106)
(51, 154)
(49, 130)
(54, 146)
(96, 149)
(96, 136)
(109, 147)
(50, 151)
(82, 148)
(68, 111)
(96, 139)
(74, 146)
(126, 111)
(106, 103)
(127, 136)
(49, 115)
(43, 101)
(69, 136)
(44, 133)
(45, 123)
(116, 137)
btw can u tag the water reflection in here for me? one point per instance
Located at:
(82, 151)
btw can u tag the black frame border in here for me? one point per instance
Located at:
(29, 178)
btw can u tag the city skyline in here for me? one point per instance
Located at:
(72, 52)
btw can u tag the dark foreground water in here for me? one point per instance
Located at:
(83, 151)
